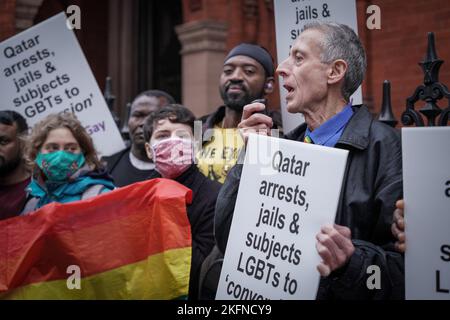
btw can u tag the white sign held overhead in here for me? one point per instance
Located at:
(290, 18)
(288, 191)
(426, 183)
(43, 70)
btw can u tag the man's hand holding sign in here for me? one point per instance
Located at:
(334, 243)
(274, 236)
(335, 247)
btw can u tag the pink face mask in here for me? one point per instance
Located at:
(172, 156)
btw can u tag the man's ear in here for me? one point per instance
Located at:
(269, 85)
(337, 71)
(149, 151)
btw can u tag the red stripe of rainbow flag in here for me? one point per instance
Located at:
(131, 243)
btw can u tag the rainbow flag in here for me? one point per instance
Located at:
(131, 243)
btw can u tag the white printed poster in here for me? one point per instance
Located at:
(43, 70)
(290, 18)
(426, 184)
(288, 191)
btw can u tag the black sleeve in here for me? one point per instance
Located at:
(110, 162)
(202, 241)
(204, 237)
(371, 274)
(225, 206)
(351, 281)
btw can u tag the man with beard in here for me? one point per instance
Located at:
(132, 164)
(14, 175)
(247, 75)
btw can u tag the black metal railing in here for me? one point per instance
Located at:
(386, 115)
(110, 100)
(431, 91)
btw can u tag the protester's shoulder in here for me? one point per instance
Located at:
(98, 176)
(98, 173)
(204, 117)
(116, 156)
(212, 118)
(378, 132)
(384, 133)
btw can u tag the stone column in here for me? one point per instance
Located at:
(203, 51)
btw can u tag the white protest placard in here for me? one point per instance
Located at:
(288, 191)
(43, 70)
(426, 184)
(290, 18)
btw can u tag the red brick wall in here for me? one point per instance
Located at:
(93, 35)
(94, 16)
(7, 18)
(248, 21)
(393, 52)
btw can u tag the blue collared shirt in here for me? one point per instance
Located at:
(330, 131)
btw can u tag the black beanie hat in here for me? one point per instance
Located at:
(256, 52)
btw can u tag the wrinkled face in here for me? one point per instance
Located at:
(9, 148)
(60, 139)
(304, 75)
(141, 108)
(242, 81)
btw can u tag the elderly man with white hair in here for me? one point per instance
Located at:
(325, 66)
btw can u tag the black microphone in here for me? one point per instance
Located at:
(264, 102)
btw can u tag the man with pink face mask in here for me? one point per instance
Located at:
(169, 142)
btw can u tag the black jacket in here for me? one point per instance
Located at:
(372, 184)
(120, 168)
(201, 217)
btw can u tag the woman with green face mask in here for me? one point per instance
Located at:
(65, 165)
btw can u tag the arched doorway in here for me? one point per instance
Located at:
(134, 42)
(158, 46)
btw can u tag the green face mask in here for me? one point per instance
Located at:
(60, 165)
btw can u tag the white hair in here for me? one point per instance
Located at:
(341, 42)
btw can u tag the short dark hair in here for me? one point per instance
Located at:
(175, 113)
(256, 52)
(341, 42)
(158, 94)
(9, 117)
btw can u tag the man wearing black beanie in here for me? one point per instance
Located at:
(247, 75)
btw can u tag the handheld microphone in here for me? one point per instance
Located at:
(264, 102)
